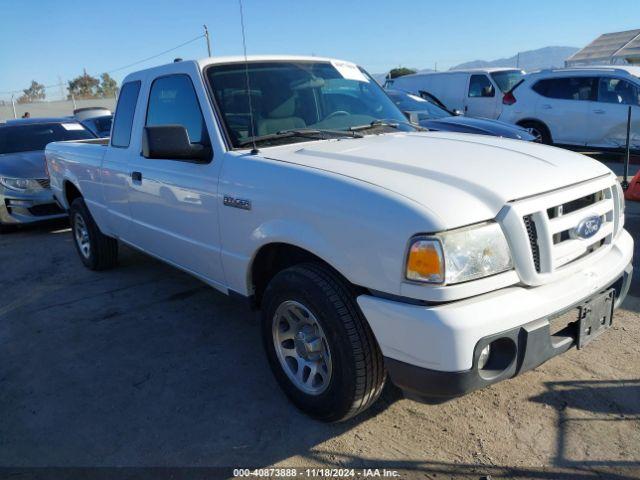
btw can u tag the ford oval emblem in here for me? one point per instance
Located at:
(588, 227)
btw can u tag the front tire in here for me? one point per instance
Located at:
(97, 251)
(319, 345)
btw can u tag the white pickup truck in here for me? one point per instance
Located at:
(374, 249)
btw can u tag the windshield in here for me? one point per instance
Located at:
(411, 103)
(507, 79)
(27, 138)
(330, 96)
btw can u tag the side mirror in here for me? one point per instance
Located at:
(457, 113)
(487, 91)
(171, 142)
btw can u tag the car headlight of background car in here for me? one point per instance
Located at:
(20, 184)
(459, 255)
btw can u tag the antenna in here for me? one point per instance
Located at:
(248, 84)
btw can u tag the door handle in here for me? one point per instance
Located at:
(599, 112)
(136, 176)
(547, 107)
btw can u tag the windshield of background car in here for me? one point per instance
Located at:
(33, 137)
(411, 103)
(288, 95)
(507, 79)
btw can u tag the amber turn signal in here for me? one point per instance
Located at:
(425, 261)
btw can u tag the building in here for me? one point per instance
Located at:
(618, 48)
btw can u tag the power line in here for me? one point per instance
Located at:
(46, 87)
(157, 55)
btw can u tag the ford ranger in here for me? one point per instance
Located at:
(445, 262)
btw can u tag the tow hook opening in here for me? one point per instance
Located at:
(496, 357)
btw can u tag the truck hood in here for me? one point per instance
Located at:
(23, 165)
(460, 178)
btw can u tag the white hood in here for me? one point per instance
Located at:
(461, 178)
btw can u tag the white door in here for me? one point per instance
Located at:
(115, 164)
(481, 97)
(564, 107)
(608, 128)
(173, 203)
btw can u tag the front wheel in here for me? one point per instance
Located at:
(97, 251)
(319, 345)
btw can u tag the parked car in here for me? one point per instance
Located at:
(431, 114)
(442, 260)
(476, 92)
(99, 126)
(578, 106)
(25, 196)
(84, 113)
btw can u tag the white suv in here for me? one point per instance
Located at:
(578, 106)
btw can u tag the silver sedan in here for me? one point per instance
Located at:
(25, 196)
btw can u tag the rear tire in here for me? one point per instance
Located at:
(538, 129)
(307, 305)
(97, 251)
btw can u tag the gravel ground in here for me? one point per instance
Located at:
(145, 366)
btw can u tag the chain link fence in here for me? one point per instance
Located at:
(60, 108)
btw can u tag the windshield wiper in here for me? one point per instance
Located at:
(386, 123)
(299, 132)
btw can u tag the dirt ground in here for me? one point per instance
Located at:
(144, 366)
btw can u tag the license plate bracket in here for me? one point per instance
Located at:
(595, 316)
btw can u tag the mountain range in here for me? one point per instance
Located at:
(546, 57)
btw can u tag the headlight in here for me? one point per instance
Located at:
(459, 255)
(20, 184)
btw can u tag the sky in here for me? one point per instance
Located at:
(49, 41)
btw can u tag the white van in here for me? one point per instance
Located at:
(474, 92)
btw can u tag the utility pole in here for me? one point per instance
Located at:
(13, 105)
(518, 61)
(206, 34)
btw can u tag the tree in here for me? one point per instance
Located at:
(34, 93)
(108, 87)
(84, 86)
(399, 72)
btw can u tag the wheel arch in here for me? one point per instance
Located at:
(70, 192)
(273, 257)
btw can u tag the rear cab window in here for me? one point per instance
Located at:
(123, 120)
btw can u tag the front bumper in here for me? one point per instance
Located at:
(28, 207)
(432, 351)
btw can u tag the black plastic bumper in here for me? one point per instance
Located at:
(532, 344)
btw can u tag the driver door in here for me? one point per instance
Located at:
(481, 97)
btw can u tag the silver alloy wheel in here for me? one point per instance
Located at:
(81, 234)
(301, 347)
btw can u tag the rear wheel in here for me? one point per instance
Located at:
(319, 345)
(97, 251)
(539, 130)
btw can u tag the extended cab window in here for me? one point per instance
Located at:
(173, 101)
(123, 121)
(567, 88)
(480, 86)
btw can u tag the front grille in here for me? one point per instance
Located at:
(533, 240)
(44, 183)
(544, 232)
(45, 210)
